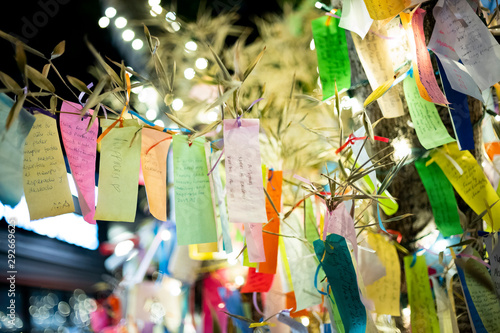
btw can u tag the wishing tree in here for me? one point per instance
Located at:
(347, 156)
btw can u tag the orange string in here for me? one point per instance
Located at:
(156, 144)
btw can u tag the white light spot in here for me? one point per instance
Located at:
(497, 118)
(166, 235)
(148, 95)
(221, 305)
(110, 12)
(153, 3)
(177, 104)
(304, 321)
(406, 312)
(440, 245)
(137, 89)
(176, 26)
(401, 148)
(151, 114)
(137, 44)
(103, 22)
(211, 116)
(157, 9)
(312, 46)
(124, 247)
(170, 16)
(191, 46)
(239, 280)
(189, 73)
(175, 287)
(160, 123)
(201, 63)
(128, 35)
(121, 22)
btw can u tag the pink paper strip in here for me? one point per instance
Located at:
(341, 223)
(80, 147)
(425, 70)
(255, 242)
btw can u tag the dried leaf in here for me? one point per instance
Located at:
(106, 67)
(39, 80)
(14, 40)
(78, 84)
(253, 64)
(58, 50)
(152, 47)
(368, 126)
(46, 69)
(207, 129)
(14, 111)
(130, 71)
(179, 122)
(38, 94)
(9, 82)
(53, 104)
(95, 98)
(21, 58)
(225, 72)
(169, 98)
(94, 116)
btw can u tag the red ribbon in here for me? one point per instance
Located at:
(353, 138)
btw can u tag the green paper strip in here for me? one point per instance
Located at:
(431, 131)
(333, 55)
(441, 197)
(389, 205)
(311, 229)
(194, 215)
(423, 312)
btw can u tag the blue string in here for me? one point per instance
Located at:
(153, 124)
(272, 174)
(414, 261)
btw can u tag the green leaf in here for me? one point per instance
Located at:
(78, 84)
(39, 80)
(58, 50)
(14, 111)
(9, 82)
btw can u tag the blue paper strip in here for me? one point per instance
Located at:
(459, 110)
(475, 319)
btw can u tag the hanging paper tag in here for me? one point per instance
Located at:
(294, 325)
(479, 291)
(431, 131)
(12, 152)
(119, 172)
(154, 150)
(441, 197)
(458, 78)
(444, 310)
(374, 55)
(333, 55)
(310, 223)
(383, 9)
(385, 291)
(355, 17)
(341, 223)
(257, 282)
(430, 91)
(337, 264)
(302, 263)
(46, 184)
(245, 193)
(459, 111)
(472, 184)
(194, 214)
(423, 313)
(271, 241)
(80, 146)
(494, 255)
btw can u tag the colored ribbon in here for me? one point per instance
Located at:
(222, 152)
(353, 138)
(256, 304)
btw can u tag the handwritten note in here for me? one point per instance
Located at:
(479, 291)
(472, 184)
(194, 214)
(245, 193)
(12, 152)
(441, 197)
(375, 57)
(80, 146)
(340, 222)
(46, 184)
(423, 313)
(385, 291)
(333, 55)
(302, 263)
(271, 242)
(383, 9)
(476, 46)
(459, 111)
(257, 282)
(431, 131)
(431, 93)
(337, 264)
(355, 17)
(119, 172)
(494, 255)
(154, 150)
(444, 309)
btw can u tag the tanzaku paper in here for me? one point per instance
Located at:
(441, 197)
(46, 184)
(154, 150)
(333, 55)
(194, 214)
(385, 291)
(80, 146)
(12, 152)
(423, 313)
(119, 172)
(384, 9)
